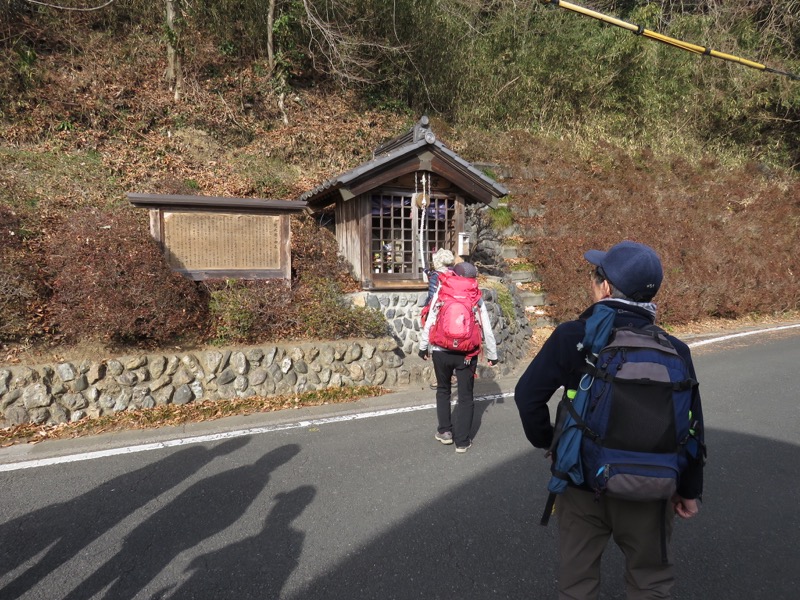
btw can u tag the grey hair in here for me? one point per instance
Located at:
(443, 258)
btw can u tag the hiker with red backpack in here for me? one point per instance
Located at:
(456, 330)
(443, 261)
(632, 400)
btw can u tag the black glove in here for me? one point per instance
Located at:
(423, 354)
(494, 362)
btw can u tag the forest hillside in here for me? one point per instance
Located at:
(598, 134)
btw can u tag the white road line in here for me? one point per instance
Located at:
(200, 439)
(738, 335)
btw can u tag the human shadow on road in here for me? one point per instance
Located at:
(482, 539)
(66, 528)
(202, 510)
(256, 567)
(487, 394)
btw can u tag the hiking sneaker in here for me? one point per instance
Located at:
(462, 449)
(446, 437)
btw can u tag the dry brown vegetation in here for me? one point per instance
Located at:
(111, 260)
(97, 121)
(171, 415)
(726, 235)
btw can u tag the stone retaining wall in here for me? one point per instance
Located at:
(402, 313)
(70, 391)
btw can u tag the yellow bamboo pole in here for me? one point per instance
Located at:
(665, 39)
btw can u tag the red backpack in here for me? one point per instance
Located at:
(458, 325)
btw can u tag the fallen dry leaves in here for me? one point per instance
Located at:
(172, 415)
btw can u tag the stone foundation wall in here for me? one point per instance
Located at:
(402, 312)
(70, 391)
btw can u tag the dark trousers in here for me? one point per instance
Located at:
(444, 364)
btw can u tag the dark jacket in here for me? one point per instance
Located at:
(559, 363)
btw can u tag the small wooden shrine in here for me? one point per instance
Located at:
(392, 212)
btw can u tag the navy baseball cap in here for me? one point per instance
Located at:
(633, 268)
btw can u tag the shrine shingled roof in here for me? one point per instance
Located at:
(417, 149)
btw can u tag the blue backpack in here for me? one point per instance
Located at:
(638, 427)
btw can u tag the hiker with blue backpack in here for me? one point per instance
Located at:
(457, 327)
(627, 447)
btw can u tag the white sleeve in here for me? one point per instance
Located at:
(432, 313)
(489, 342)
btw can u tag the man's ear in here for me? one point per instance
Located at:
(606, 287)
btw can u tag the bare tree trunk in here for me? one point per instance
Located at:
(282, 107)
(271, 36)
(174, 72)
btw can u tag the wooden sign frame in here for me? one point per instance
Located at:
(205, 237)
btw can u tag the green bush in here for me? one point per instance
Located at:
(257, 311)
(244, 311)
(321, 278)
(547, 69)
(501, 218)
(232, 312)
(506, 302)
(323, 312)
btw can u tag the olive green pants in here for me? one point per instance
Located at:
(584, 527)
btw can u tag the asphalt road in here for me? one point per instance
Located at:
(326, 503)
